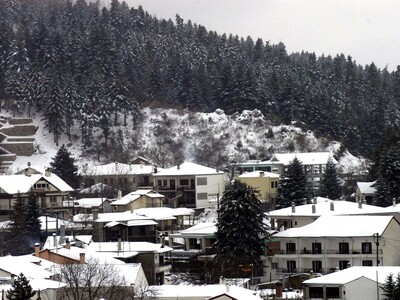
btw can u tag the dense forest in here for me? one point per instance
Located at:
(81, 63)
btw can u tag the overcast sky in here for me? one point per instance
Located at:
(368, 30)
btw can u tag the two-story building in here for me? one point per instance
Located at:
(337, 242)
(190, 185)
(265, 182)
(140, 198)
(49, 189)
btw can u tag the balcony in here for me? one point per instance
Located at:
(327, 252)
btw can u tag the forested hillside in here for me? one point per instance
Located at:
(80, 63)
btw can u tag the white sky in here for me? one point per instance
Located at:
(368, 30)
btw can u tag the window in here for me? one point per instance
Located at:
(316, 292)
(159, 182)
(316, 248)
(184, 182)
(202, 196)
(343, 264)
(202, 181)
(366, 248)
(111, 180)
(332, 292)
(343, 248)
(53, 199)
(274, 184)
(291, 266)
(172, 184)
(165, 182)
(317, 266)
(125, 179)
(290, 248)
(367, 263)
(274, 266)
(105, 181)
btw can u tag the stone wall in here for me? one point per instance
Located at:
(19, 130)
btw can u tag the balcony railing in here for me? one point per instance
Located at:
(329, 252)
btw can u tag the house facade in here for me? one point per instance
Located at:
(190, 185)
(140, 198)
(365, 192)
(337, 242)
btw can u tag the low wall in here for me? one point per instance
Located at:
(19, 130)
(24, 149)
(20, 121)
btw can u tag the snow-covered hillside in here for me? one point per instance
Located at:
(199, 136)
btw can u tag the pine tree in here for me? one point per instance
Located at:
(20, 289)
(382, 195)
(391, 287)
(241, 222)
(33, 224)
(18, 216)
(63, 165)
(292, 185)
(330, 182)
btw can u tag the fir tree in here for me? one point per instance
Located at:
(33, 224)
(330, 182)
(241, 222)
(391, 288)
(18, 216)
(292, 186)
(20, 289)
(382, 195)
(63, 165)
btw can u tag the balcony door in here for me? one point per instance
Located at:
(344, 248)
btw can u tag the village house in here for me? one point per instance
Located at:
(140, 198)
(265, 182)
(190, 185)
(300, 215)
(337, 242)
(353, 283)
(365, 192)
(49, 189)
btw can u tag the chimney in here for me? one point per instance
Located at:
(29, 164)
(227, 287)
(313, 208)
(332, 206)
(82, 259)
(311, 274)
(54, 240)
(315, 200)
(85, 168)
(278, 289)
(178, 166)
(62, 234)
(37, 249)
(262, 173)
(67, 244)
(394, 202)
(95, 212)
(221, 280)
(293, 208)
(116, 166)
(155, 170)
(12, 278)
(47, 172)
(119, 196)
(130, 166)
(360, 204)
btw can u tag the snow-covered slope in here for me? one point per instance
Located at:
(237, 137)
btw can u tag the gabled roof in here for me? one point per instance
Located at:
(353, 273)
(257, 174)
(118, 169)
(89, 202)
(128, 247)
(14, 184)
(187, 168)
(136, 195)
(308, 158)
(366, 187)
(324, 207)
(340, 226)
(26, 264)
(200, 229)
(120, 217)
(163, 213)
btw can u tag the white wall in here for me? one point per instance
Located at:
(215, 185)
(362, 288)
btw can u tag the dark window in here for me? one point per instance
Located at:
(317, 266)
(343, 264)
(165, 182)
(202, 181)
(274, 184)
(290, 248)
(105, 180)
(184, 182)
(316, 248)
(366, 248)
(125, 180)
(159, 182)
(367, 263)
(316, 292)
(172, 184)
(343, 248)
(332, 292)
(291, 266)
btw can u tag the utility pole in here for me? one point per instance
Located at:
(376, 241)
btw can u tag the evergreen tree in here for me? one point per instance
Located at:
(63, 165)
(292, 185)
(391, 288)
(20, 289)
(240, 222)
(330, 182)
(18, 216)
(33, 224)
(382, 196)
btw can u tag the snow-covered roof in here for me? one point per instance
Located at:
(308, 158)
(164, 213)
(117, 169)
(136, 195)
(187, 168)
(128, 247)
(353, 273)
(50, 223)
(14, 184)
(89, 202)
(340, 226)
(26, 264)
(325, 206)
(96, 188)
(120, 217)
(55, 241)
(200, 229)
(259, 174)
(204, 291)
(366, 187)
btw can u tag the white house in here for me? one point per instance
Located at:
(365, 191)
(353, 283)
(337, 242)
(190, 185)
(300, 215)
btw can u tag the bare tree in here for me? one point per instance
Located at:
(97, 279)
